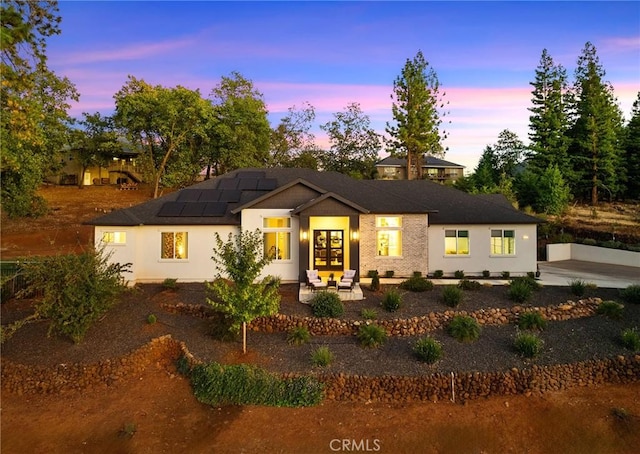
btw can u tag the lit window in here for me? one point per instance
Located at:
(456, 242)
(114, 237)
(389, 236)
(174, 245)
(276, 237)
(503, 242)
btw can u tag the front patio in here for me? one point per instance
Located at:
(306, 293)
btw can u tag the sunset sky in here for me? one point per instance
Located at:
(331, 54)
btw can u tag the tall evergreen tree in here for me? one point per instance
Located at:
(632, 152)
(417, 113)
(548, 122)
(595, 150)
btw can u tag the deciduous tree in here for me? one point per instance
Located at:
(292, 139)
(417, 110)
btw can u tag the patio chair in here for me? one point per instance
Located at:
(347, 280)
(314, 280)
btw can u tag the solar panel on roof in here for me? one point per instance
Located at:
(193, 209)
(230, 195)
(209, 195)
(188, 195)
(249, 174)
(267, 184)
(228, 183)
(171, 209)
(215, 209)
(248, 184)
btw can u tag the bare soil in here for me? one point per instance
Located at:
(155, 411)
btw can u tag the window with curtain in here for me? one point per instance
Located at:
(174, 245)
(389, 236)
(276, 237)
(503, 242)
(456, 242)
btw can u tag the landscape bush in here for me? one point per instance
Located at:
(244, 384)
(521, 288)
(529, 345)
(368, 314)
(152, 319)
(610, 309)
(437, 274)
(391, 300)
(417, 284)
(375, 282)
(170, 284)
(451, 295)
(631, 294)
(631, 339)
(326, 304)
(321, 356)
(467, 284)
(464, 328)
(428, 349)
(486, 274)
(458, 274)
(389, 274)
(505, 274)
(298, 335)
(578, 287)
(532, 321)
(372, 335)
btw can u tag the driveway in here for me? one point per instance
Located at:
(603, 275)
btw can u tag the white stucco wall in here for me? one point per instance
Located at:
(480, 258)
(143, 248)
(585, 253)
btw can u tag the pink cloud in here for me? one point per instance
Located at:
(131, 52)
(621, 44)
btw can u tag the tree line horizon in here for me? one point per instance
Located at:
(579, 144)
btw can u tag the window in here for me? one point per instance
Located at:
(389, 236)
(456, 242)
(276, 237)
(114, 237)
(503, 242)
(174, 245)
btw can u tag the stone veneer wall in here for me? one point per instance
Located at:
(414, 247)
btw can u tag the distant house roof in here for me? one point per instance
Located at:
(219, 201)
(429, 161)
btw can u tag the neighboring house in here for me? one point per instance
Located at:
(121, 169)
(432, 168)
(321, 220)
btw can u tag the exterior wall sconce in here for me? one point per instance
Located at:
(354, 235)
(525, 237)
(304, 235)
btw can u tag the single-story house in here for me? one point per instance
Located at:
(321, 220)
(433, 168)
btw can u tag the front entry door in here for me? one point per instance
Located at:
(328, 250)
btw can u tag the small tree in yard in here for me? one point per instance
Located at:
(76, 290)
(239, 262)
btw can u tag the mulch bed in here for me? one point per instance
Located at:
(125, 328)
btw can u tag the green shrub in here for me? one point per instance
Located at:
(528, 345)
(221, 328)
(532, 321)
(458, 274)
(631, 339)
(417, 274)
(486, 274)
(437, 274)
(464, 328)
(631, 294)
(170, 284)
(375, 283)
(388, 273)
(322, 356)
(578, 287)
(77, 289)
(369, 314)
(372, 273)
(589, 242)
(505, 274)
(371, 335)
(451, 295)
(151, 319)
(428, 349)
(520, 290)
(326, 304)
(466, 284)
(244, 384)
(610, 309)
(531, 274)
(299, 335)
(391, 300)
(417, 284)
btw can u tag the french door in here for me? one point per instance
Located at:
(328, 250)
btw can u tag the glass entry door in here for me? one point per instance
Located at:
(328, 250)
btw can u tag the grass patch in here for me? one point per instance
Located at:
(464, 328)
(610, 309)
(428, 349)
(391, 300)
(372, 336)
(631, 339)
(298, 336)
(451, 295)
(369, 314)
(322, 356)
(529, 345)
(532, 321)
(631, 294)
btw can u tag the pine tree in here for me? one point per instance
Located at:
(595, 151)
(632, 152)
(548, 122)
(417, 114)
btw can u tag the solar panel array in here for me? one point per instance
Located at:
(214, 202)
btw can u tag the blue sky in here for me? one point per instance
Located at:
(331, 54)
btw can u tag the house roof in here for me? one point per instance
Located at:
(220, 201)
(428, 161)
